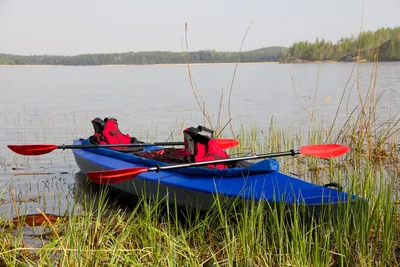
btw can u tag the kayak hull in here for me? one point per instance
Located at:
(156, 190)
(200, 191)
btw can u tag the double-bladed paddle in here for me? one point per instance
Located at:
(117, 176)
(40, 149)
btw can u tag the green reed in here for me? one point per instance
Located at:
(232, 234)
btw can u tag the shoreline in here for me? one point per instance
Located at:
(196, 64)
(161, 64)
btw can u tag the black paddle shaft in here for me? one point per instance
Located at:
(291, 152)
(63, 147)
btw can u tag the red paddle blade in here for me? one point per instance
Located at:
(36, 219)
(227, 143)
(325, 151)
(114, 176)
(32, 150)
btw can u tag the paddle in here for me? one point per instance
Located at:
(121, 175)
(40, 149)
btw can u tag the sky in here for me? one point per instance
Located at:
(71, 27)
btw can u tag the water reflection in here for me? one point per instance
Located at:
(31, 216)
(25, 192)
(88, 196)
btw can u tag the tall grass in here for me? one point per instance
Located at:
(149, 233)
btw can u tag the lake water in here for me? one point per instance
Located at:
(55, 104)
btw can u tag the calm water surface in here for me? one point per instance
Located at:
(55, 104)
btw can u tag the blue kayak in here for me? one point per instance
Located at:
(196, 187)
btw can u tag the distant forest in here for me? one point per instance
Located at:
(270, 54)
(382, 44)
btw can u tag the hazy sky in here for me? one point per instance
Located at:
(72, 27)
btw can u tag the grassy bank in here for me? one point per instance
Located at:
(151, 234)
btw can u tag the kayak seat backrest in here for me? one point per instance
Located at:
(98, 126)
(200, 146)
(112, 133)
(107, 132)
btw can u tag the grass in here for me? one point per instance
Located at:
(151, 233)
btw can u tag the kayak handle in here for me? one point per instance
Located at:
(335, 185)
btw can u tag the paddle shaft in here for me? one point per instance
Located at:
(121, 175)
(195, 164)
(63, 147)
(40, 149)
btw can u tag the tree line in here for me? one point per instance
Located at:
(382, 44)
(140, 58)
